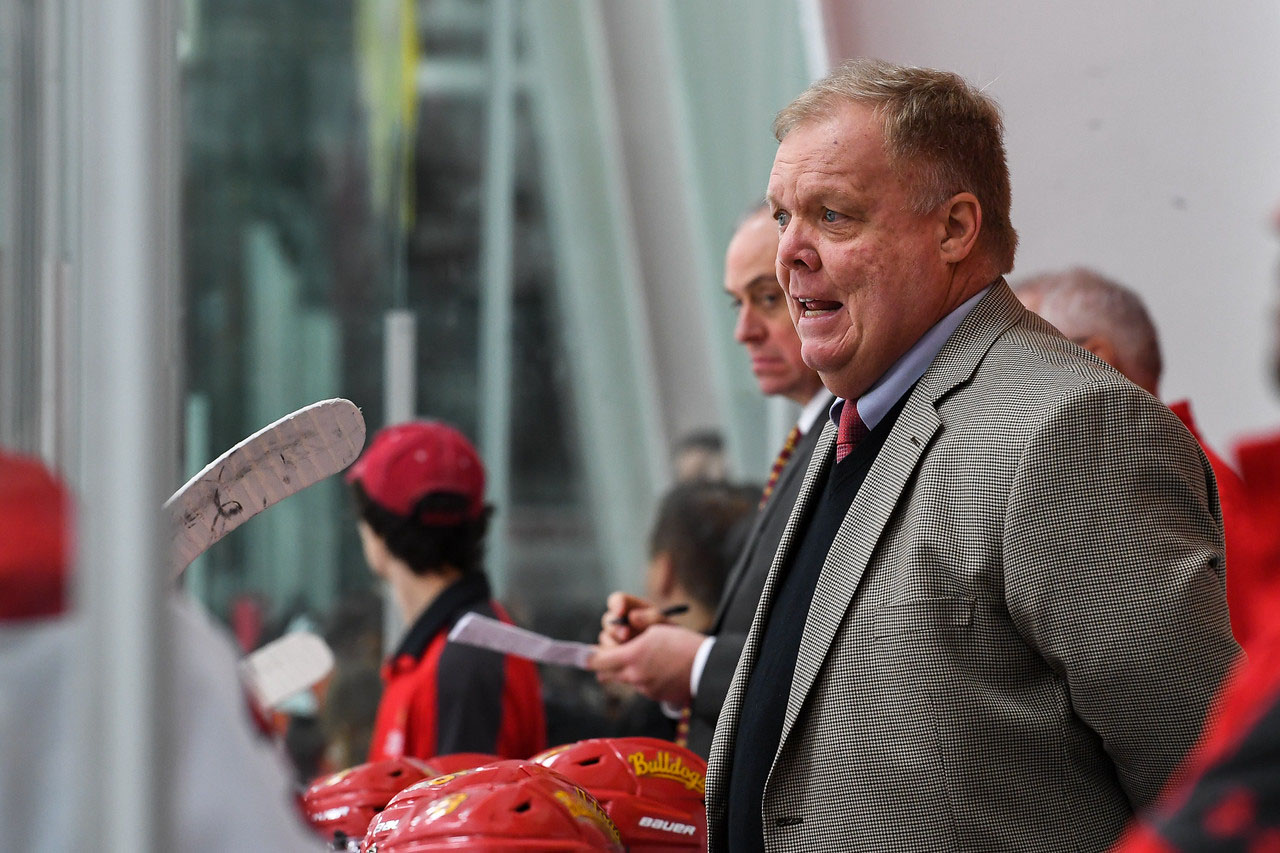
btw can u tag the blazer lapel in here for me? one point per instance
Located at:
(856, 540)
(722, 745)
(814, 477)
(863, 525)
(795, 467)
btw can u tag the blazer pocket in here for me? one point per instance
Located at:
(923, 617)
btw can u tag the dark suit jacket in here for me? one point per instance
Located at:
(1020, 623)
(742, 592)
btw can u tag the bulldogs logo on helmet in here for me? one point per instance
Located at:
(652, 789)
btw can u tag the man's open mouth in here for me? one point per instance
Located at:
(817, 307)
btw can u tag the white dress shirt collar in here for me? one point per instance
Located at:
(813, 410)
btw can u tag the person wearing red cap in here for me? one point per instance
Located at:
(419, 491)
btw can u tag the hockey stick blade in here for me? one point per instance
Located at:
(275, 462)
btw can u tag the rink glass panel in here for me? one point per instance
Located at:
(301, 229)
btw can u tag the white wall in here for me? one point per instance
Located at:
(1142, 142)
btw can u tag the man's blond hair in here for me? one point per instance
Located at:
(941, 135)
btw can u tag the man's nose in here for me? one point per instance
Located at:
(796, 248)
(748, 327)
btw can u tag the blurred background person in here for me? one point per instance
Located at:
(1228, 796)
(697, 534)
(419, 491)
(1101, 315)
(699, 455)
(691, 668)
(231, 788)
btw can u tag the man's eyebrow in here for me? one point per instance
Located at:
(763, 282)
(824, 193)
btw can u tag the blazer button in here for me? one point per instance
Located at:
(785, 822)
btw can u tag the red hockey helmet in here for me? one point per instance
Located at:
(36, 532)
(540, 811)
(458, 761)
(653, 789)
(403, 804)
(341, 805)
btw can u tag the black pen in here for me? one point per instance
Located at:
(673, 610)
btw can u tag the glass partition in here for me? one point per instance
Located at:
(455, 164)
(434, 208)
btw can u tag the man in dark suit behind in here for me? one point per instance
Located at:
(997, 616)
(684, 668)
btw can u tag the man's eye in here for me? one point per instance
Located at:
(782, 217)
(735, 303)
(829, 215)
(769, 300)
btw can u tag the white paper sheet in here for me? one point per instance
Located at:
(476, 630)
(286, 666)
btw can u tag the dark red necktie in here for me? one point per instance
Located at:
(850, 431)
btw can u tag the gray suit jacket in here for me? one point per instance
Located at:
(1021, 621)
(742, 593)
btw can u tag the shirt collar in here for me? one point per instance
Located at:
(469, 590)
(876, 402)
(813, 410)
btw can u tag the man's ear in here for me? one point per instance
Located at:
(662, 576)
(962, 218)
(1102, 348)
(376, 554)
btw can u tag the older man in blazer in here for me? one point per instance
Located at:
(996, 618)
(684, 668)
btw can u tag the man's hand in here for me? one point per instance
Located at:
(657, 662)
(626, 617)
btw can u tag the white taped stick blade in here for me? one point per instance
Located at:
(285, 667)
(275, 462)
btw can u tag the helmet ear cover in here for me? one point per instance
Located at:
(340, 806)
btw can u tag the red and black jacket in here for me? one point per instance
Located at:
(441, 697)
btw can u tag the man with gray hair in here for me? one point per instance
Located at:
(997, 616)
(1111, 321)
(1101, 315)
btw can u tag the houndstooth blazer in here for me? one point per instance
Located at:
(1021, 621)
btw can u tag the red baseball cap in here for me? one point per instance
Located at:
(35, 540)
(406, 462)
